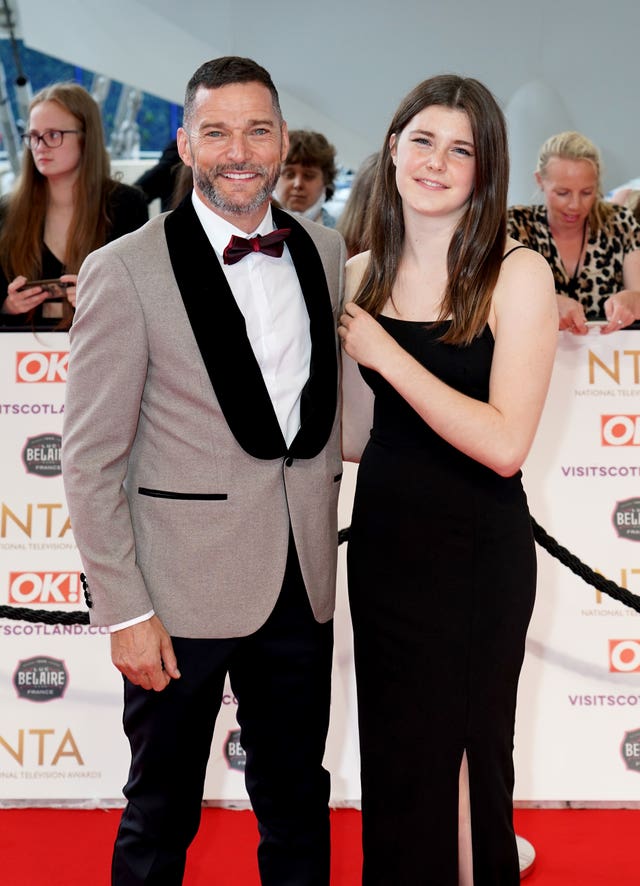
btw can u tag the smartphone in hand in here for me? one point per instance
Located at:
(54, 287)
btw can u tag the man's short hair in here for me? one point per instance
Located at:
(223, 72)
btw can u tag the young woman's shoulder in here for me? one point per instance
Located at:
(520, 258)
(525, 285)
(356, 267)
(361, 260)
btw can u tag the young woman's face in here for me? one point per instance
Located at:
(64, 160)
(570, 188)
(435, 162)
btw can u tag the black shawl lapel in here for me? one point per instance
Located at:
(221, 335)
(319, 396)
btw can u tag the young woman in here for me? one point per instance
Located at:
(454, 328)
(593, 247)
(64, 205)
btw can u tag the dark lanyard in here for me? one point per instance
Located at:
(573, 282)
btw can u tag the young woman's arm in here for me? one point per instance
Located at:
(524, 320)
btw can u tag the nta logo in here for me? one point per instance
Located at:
(33, 367)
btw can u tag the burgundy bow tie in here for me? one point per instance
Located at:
(270, 244)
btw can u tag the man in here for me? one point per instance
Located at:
(202, 468)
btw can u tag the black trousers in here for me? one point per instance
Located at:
(284, 667)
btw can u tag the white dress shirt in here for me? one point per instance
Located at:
(268, 293)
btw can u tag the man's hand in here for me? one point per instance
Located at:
(144, 654)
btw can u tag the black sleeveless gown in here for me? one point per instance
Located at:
(441, 573)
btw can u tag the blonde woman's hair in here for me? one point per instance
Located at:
(632, 203)
(572, 145)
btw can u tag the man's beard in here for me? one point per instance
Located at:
(205, 180)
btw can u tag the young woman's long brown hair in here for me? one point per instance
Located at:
(24, 216)
(353, 223)
(477, 245)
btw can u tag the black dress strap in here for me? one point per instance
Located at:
(513, 249)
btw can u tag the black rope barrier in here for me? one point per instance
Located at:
(546, 541)
(608, 587)
(43, 616)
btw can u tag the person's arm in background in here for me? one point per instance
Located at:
(571, 316)
(357, 396)
(15, 305)
(159, 181)
(623, 308)
(18, 302)
(127, 210)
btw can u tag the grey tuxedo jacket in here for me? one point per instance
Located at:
(181, 488)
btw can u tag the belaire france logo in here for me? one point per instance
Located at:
(40, 678)
(626, 519)
(41, 455)
(234, 752)
(630, 750)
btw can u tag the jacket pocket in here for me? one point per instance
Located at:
(183, 496)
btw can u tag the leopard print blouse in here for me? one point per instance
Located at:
(601, 273)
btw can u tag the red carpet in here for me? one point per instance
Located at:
(52, 847)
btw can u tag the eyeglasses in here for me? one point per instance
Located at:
(52, 138)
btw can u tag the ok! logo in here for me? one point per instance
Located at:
(620, 430)
(44, 587)
(624, 656)
(36, 367)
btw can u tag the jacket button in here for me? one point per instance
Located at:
(288, 461)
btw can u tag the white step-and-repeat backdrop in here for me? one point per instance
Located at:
(578, 729)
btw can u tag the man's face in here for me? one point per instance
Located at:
(235, 143)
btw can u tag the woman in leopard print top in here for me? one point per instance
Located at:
(593, 247)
